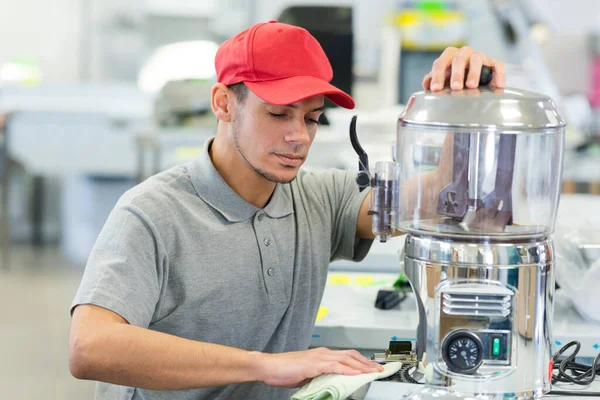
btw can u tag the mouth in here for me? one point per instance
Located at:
(290, 159)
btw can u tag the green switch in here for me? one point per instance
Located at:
(496, 346)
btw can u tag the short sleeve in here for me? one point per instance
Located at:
(343, 199)
(124, 271)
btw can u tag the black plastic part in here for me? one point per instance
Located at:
(387, 299)
(363, 179)
(486, 76)
(509, 32)
(400, 346)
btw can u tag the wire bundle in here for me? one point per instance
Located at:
(570, 371)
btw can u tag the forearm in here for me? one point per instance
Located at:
(131, 356)
(422, 193)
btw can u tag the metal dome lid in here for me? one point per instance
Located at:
(485, 107)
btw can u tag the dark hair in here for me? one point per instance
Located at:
(241, 91)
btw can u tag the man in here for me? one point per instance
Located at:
(206, 279)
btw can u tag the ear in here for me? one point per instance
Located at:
(222, 102)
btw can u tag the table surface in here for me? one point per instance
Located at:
(395, 391)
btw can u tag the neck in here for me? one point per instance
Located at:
(235, 170)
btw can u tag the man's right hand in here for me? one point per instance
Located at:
(295, 369)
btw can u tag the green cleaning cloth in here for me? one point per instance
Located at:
(338, 387)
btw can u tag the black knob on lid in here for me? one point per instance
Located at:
(486, 76)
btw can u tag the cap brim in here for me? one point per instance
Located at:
(297, 88)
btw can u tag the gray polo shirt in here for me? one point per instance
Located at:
(183, 254)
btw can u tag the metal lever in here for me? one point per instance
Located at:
(453, 200)
(494, 212)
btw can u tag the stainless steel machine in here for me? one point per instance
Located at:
(475, 184)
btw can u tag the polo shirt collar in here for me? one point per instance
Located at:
(213, 189)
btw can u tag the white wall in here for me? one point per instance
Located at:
(270, 9)
(567, 50)
(49, 31)
(568, 17)
(183, 8)
(114, 30)
(84, 39)
(71, 45)
(124, 33)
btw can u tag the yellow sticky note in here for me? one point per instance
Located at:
(339, 279)
(322, 312)
(187, 152)
(363, 280)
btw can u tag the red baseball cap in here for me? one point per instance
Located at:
(282, 64)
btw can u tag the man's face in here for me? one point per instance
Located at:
(274, 140)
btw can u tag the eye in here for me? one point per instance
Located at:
(312, 121)
(277, 115)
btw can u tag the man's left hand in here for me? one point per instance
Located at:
(452, 65)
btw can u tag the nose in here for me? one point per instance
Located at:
(298, 133)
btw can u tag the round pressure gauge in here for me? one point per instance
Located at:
(462, 351)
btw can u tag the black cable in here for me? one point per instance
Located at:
(405, 374)
(580, 374)
(572, 393)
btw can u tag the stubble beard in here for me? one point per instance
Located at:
(235, 126)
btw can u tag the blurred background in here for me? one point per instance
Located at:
(97, 95)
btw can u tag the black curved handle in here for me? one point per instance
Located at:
(362, 154)
(362, 178)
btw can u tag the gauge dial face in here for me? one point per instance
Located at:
(463, 352)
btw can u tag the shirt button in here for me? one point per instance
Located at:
(267, 241)
(271, 271)
(261, 217)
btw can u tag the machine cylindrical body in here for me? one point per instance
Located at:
(479, 189)
(487, 312)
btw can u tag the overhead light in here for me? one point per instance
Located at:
(540, 33)
(22, 71)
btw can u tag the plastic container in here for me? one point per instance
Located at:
(479, 163)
